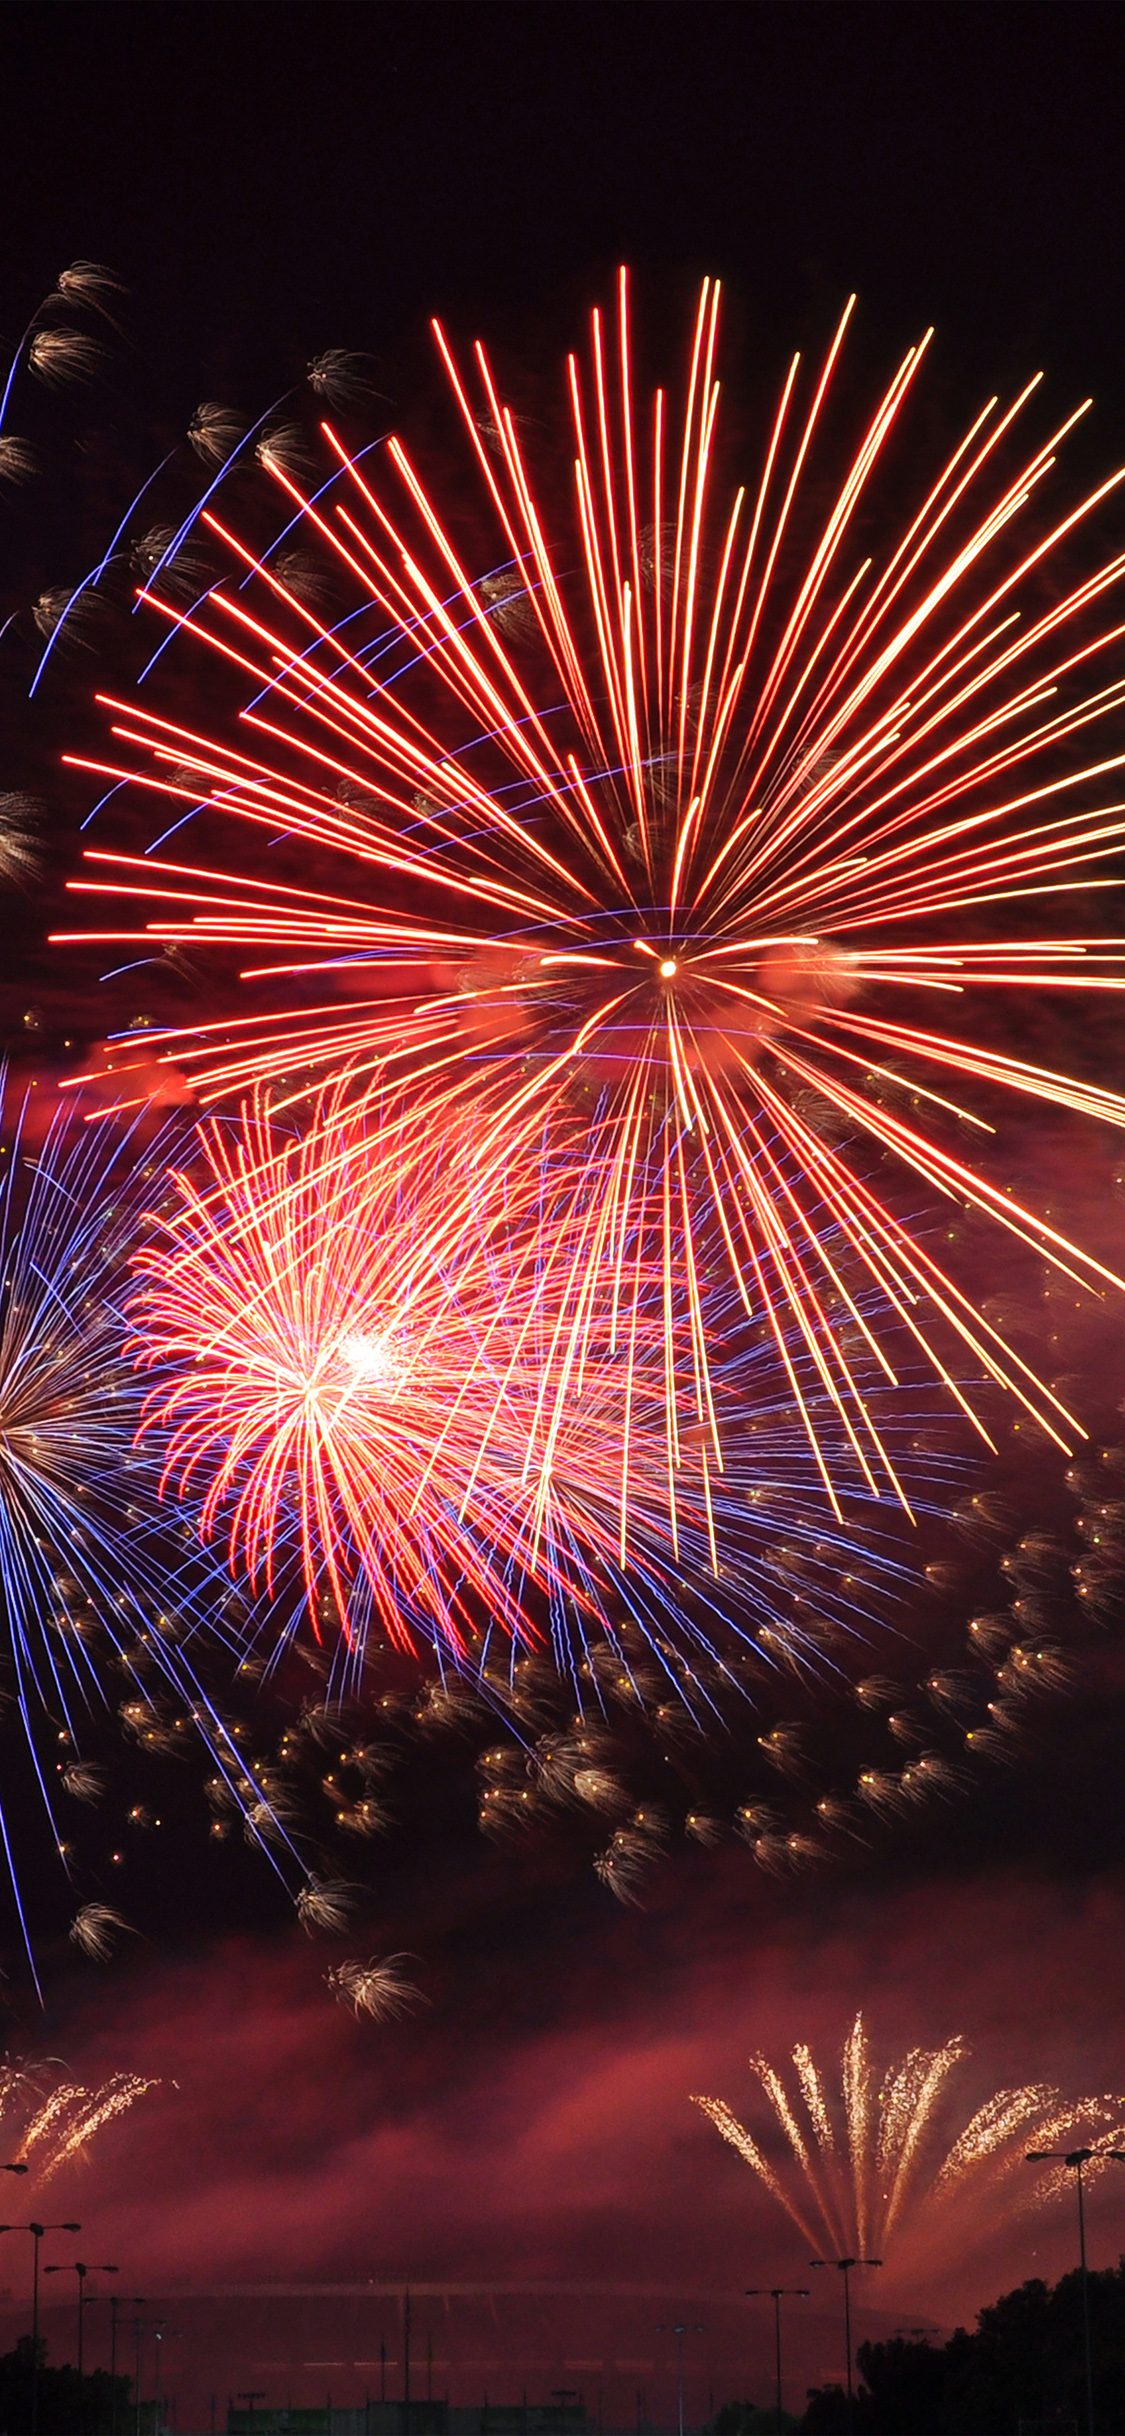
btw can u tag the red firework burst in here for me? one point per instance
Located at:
(673, 833)
(356, 1379)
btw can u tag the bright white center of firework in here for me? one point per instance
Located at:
(667, 968)
(371, 1358)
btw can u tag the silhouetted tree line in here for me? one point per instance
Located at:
(67, 2405)
(1026, 2360)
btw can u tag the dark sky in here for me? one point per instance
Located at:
(269, 181)
(273, 180)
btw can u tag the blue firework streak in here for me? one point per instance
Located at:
(763, 1573)
(91, 1577)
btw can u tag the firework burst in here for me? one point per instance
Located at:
(367, 1385)
(690, 828)
(347, 1339)
(868, 2169)
(52, 2122)
(92, 1584)
(378, 1988)
(95, 1929)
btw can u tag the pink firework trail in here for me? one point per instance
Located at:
(688, 834)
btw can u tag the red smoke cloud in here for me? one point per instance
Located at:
(533, 2123)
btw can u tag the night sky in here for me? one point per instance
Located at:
(270, 181)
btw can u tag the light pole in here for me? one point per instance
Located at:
(167, 2402)
(139, 2329)
(778, 2293)
(680, 2332)
(845, 2266)
(1076, 2158)
(117, 2302)
(406, 2324)
(36, 2232)
(79, 2268)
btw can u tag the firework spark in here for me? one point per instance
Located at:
(689, 828)
(378, 1988)
(21, 855)
(868, 2169)
(51, 2123)
(59, 356)
(93, 285)
(95, 1929)
(326, 1903)
(18, 459)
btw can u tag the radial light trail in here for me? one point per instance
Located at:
(716, 829)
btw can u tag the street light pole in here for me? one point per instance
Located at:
(406, 2363)
(680, 2332)
(845, 2266)
(139, 2329)
(36, 2232)
(81, 2270)
(1076, 2158)
(134, 2300)
(778, 2293)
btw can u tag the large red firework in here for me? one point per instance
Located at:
(686, 831)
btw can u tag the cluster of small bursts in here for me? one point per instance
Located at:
(543, 1298)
